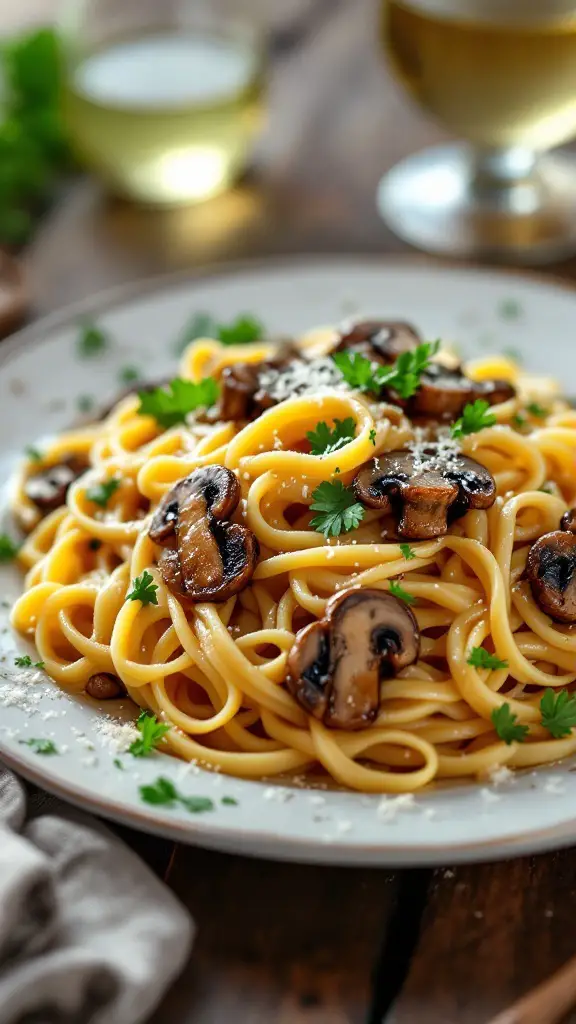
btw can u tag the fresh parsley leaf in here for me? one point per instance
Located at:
(40, 746)
(143, 589)
(94, 544)
(397, 591)
(242, 331)
(474, 417)
(558, 712)
(92, 340)
(407, 552)
(151, 732)
(85, 403)
(340, 512)
(358, 371)
(200, 325)
(518, 420)
(33, 453)
(8, 548)
(164, 792)
(536, 410)
(507, 726)
(481, 658)
(404, 376)
(510, 309)
(118, 764)
(171, 406)
(128, 374)
(372, 436)
(25, 661)
(229, 801)
(325, 440)
(100, 494)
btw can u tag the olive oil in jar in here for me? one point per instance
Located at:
(167, 118)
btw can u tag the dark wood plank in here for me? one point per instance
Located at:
(282, 943)
(490, 933)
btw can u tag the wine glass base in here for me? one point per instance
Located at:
(433, 201)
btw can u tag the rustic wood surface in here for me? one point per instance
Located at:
(276, 942)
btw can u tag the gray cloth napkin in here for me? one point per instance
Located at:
(88, 934)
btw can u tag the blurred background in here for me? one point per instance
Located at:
(142, 136)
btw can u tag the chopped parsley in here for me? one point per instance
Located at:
(372, 436)
(558, 713)
(338, 508)
(151, 732)
(229, 801)
(510, 309)
(33, 453)
(118, 764)
(325, 440)
(507, 726)
(403, 376)
(358, 371)
(100, 494)
(40, 746)
(92, 340)
(241, 331)
(171, 406)
(536, 410)
(201, 325)
(128, 374)
(397, 591)
(518, 420)
(25, 661)
(85, 403)
(163, 792)
(8, 548)
(475, 416)
(407, 552)
(143, 589)
(481, 658)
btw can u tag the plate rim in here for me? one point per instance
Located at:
(272, 845)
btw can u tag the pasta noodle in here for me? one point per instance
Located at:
(215, 671)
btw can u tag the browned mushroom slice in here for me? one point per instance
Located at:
(551, 570)
(239, 384)
(425, 492)
(48, 488)
(336, 665)
(381, 340)
(105, 686)
(207, 558)
(444, 392)
(568, 521)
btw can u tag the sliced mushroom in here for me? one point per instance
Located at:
(444, 392)
(105, 686)
(336, 665)
(243, 392)
(568, 521)
(380, 340)
(48, 488)
(426, 492)
(551, 570)
(206, 557)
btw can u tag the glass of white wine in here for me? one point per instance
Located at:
(162, 98)
(502, 75)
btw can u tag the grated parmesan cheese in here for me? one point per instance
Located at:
(117, 735)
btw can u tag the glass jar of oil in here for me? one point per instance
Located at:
(162, 100)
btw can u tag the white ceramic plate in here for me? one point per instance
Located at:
(40, 379)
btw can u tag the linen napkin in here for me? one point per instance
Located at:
(88, 934)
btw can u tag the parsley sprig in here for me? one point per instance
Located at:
(475, 417)
(171, 406)
(40, 746)
(507, 726)
(241, 331)
(339, 512)
(407, 552)
(397, 591)
(558, 713)
(92, 340)
(403, 376)
(25, 661)
(481, 658)
(163, 792)
(33, 453)
(100, 494)
(325, 440)
(151, 732)
(8, 548)
(536, 410)
(143, 589)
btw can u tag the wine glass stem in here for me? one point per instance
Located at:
(502, 168)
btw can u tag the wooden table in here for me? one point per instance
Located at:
(285, 943)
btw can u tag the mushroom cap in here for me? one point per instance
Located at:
(382, 340)
(48, 488)
(444, 392)
(551, 570)
(105, 686)
(427, 492)
(206, 557)
(568, 521)
(336, 665)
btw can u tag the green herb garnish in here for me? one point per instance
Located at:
(536, 410)
(33, 453)
(403, 376)
(100, 494)
(92, 340)
(397, 591)
(407, 552)
(8, 548)
(25, 661)
(229, 801)
(338, 508)
(481, 658)
(171, 406)
(163, 792)
(475, 416)
(40, 746)
(151, 732)
(324, 440)
(558, 713)
(143, 589)
(518, 420)
(118, 764)
(372, 436)
(510, 309)
(507, 726)
(85, 403)
(241, 331)
(128, 374)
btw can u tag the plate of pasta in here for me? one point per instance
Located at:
(288, 560)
